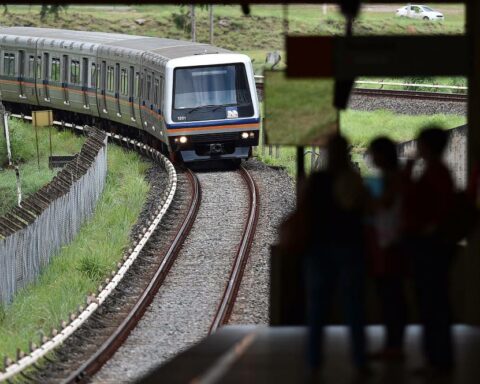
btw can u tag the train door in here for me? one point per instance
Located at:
(86, 103)
(131, 91)
(46, 71)
(65, 79)
(117, 89)
(21, 74)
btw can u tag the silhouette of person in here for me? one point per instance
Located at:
(332, 206)
(386, 258)
(427, 204)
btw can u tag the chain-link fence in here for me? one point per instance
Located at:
(31, 233)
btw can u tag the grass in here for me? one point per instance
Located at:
(298, 111)
(80, 266)
(361, 127)
(24, 153)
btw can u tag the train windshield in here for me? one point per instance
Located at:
(218, 85)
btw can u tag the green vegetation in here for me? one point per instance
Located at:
(361, 127)
(80, 266)
(298, 111)
(24, 153)
(262, 30)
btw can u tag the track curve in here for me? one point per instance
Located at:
(227, 302)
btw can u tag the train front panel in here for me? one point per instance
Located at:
(211, 107)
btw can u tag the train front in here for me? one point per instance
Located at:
(212, 111)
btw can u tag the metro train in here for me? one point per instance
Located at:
(198, 100)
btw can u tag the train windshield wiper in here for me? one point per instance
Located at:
(214, 106)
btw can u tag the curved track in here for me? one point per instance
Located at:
(103, 354)
(228, 300)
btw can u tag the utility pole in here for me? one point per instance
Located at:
(193, 22)
(211, 22)
(324, 9)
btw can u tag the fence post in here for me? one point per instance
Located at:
(4, 122)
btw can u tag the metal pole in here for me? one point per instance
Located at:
(50, 138)
(324, 9)
(38, 151)
(19, 186)
(211, 23)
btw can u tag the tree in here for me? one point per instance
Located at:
(193, 22)
(51, 9)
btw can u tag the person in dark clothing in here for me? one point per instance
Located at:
(387, 262)
(427, 204)
(331, 210)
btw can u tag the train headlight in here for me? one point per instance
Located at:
(244, 135)
(183, 139)
(252, 135)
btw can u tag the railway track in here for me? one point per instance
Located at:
(111, 345)
(400, 94)
(106, 350)
(200, 291)
(412, 95)
(227, 302)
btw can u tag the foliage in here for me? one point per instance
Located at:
(82, 265)
(24, 153)
(51, 9)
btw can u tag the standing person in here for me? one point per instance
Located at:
(331, 208)
(428, 203)
(387, 261)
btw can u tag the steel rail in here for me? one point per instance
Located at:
(415, 95)
(111, 345)
(225, 308)
(95, 301)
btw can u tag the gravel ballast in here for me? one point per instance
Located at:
(277, 200)
(407, 106)
(184, 307)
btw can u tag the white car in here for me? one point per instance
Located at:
(420, 12)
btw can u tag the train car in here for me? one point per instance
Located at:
(198, 100)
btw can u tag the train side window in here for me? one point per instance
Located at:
(65, 69)
(137, 84)
(155, 91)
(117, 79)
(21, 63)
(103, 78)
(46, 70)
(93, 75)
(39, 67)
(149, 88)
(9, 64)
(131, 82)
(110, 78)
(124, 82)
(55, 74)
(31, 67)
(84, 72)
(75, 72)
(160, 91)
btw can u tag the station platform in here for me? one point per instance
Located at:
(256, 354)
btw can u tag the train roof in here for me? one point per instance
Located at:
(168, 48)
